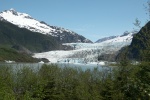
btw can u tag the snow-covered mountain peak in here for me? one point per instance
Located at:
(126, 37)
(13, 12)
(12, 9)
(126, 33)
(24, 20)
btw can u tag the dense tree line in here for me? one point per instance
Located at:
(125, 82)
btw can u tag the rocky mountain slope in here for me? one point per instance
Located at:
(24, 20)
(105, 39)
(140, 46)
(13, 36)
(127, 36)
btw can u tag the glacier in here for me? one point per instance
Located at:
(87, 52)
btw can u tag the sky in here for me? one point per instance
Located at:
(94, 19)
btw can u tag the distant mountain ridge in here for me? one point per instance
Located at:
(24, 20)
(125, 38)
(105, 39)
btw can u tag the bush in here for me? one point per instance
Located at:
(125, 82)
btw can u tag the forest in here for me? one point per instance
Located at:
(123, 81)
(50, 82)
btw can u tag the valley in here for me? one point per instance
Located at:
(42, 61)
(42, 41)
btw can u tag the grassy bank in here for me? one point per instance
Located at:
(11, 54)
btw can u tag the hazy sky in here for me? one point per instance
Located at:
(93, 19)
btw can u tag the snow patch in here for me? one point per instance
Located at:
(24, 20)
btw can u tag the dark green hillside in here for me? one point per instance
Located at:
(36, 42)
(11, 54)
(140, 46)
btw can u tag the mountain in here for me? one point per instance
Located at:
(125, 38)
(24, 20)
(13, 36)
(140, 46)
(105, 39)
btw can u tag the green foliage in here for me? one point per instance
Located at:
(140, 46)
(125, 82)
(11, 54)
(6, 84)
(144, 79)
(36, 42)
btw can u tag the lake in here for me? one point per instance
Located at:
(37, 66)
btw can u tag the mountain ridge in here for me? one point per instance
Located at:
(11, 35)
(114, 38)
(139, 48)
(24, 20)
